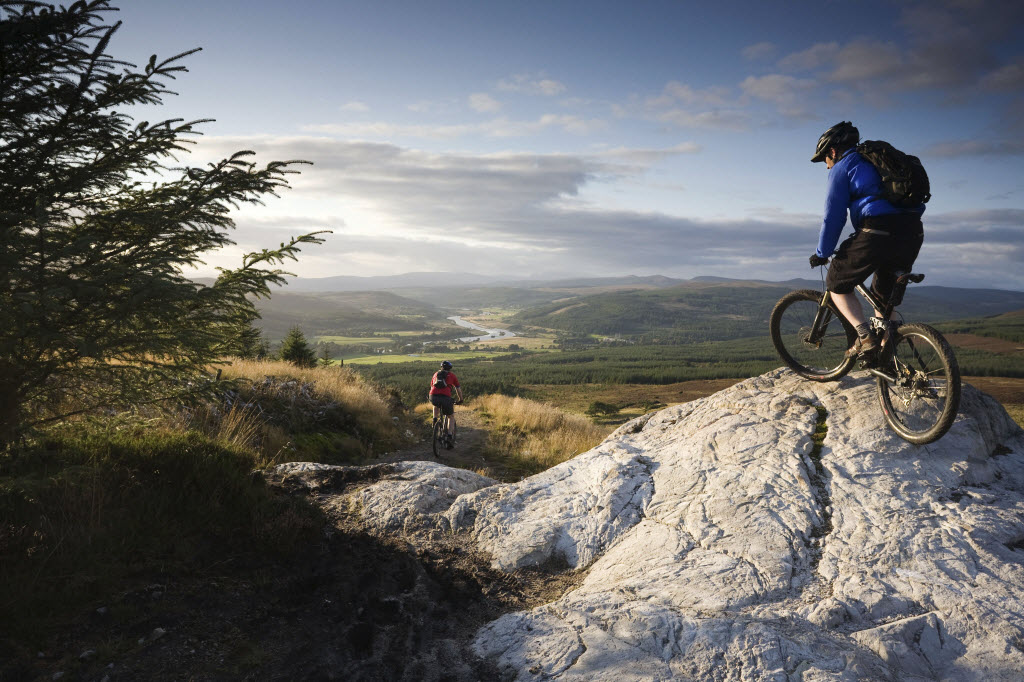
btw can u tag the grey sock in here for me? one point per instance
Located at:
(863, 329)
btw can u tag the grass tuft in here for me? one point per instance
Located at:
(534, 436)
(1017, 412)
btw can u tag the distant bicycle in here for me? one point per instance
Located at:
(918, 378)
(441, 438)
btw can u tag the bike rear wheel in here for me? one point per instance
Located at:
(815, 354)
(921, 394)
(438, 435)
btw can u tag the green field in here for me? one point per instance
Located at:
(607, 334)
(356, 340)
(420, 359)
(509, 373)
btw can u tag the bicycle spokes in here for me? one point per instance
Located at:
(811, 339)
(919, 384)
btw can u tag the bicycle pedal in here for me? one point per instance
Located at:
(868, 361)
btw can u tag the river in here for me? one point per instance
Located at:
(490, 333)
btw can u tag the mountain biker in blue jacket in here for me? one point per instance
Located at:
(886, 238)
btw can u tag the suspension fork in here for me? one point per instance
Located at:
(821, 318)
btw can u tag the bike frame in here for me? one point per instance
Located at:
(824, 315)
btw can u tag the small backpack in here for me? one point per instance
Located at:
(441, 379)
(904, 180)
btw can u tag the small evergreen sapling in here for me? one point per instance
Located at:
(295, 350)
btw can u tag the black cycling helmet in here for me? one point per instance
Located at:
(446, 365)
(841, 136)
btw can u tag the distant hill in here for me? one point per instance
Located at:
(717, 309)
(483, 298)
(345, 314)
(388, 282)
(424, 284)
(655, 307)
(689, 312)
(655, 281)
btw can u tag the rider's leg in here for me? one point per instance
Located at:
(849, 306)
(856, 259)
(904, 246)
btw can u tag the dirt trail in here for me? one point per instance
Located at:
(470, 451)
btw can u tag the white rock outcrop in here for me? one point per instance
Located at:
(721, 545)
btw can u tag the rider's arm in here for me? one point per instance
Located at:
(837, 203)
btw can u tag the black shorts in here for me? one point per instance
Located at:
(883, 245)
(445, 402)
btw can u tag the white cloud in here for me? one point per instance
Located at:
(717, 96)
(959, 148)
(862, 61)
(355, 107)
(792, 96)
(1007, 78)
(683, 106)
(497, 128)
(483, 103)
(531, 85)
(812, 58)
(713, 120)
(951, 47)
(386, 130)
(507, 213)
(645, 157)
(759, 51)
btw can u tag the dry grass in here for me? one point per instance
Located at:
(1017, 412)
(240, 427)
(278, 404)
(340, 384)
(539, 434)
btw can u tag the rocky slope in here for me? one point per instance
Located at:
(713, 540)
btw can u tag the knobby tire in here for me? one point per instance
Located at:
(921, 405)
(789, 326)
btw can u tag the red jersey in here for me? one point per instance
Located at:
(451, 380)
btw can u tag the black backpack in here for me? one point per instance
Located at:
(441, 379)
(904, 180)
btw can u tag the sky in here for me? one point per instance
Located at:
(589, 138)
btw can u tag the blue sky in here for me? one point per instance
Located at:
(598, 138)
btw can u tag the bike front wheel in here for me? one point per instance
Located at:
(815, 352)
(920, 393)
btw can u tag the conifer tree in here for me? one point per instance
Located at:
(295, 350)
(326, 357)
(97, 227)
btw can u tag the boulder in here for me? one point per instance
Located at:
(720, 541)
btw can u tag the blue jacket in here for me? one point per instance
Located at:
(855, 186)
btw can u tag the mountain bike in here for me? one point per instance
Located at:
(441, 438)
(916, 372)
